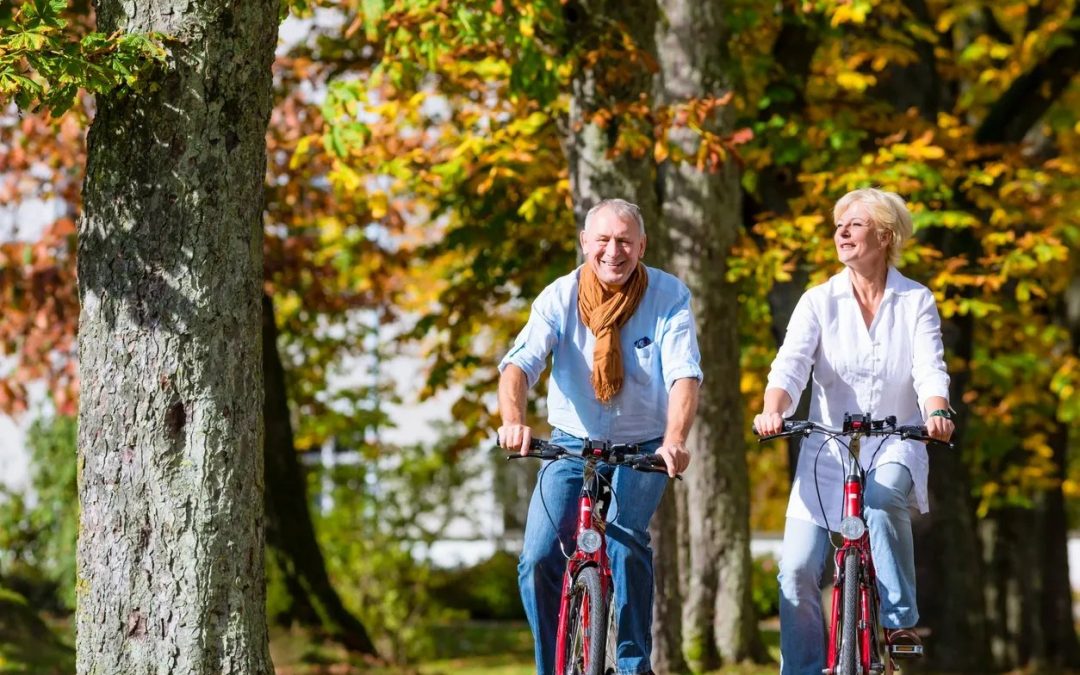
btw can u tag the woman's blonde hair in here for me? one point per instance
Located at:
(888, 213)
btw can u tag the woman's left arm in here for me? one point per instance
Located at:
(928, 370)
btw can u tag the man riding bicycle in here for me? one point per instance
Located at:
(626, 369)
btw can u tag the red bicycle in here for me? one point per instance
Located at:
(858, 644)
(585, 635)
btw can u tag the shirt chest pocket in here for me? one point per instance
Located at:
(640, 360)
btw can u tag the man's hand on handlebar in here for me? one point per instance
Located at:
(769, 423)
(676, 457)
(515, 437)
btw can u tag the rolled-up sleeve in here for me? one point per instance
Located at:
(791, 368)
(928, 354)
(680, 356)
(536, 339)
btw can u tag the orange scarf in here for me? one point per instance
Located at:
(604, 310)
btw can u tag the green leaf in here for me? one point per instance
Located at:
(373, 11)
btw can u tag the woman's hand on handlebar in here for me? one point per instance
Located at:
(768, 423)
(940, 429)
(515, 437)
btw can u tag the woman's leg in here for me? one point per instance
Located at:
(889, 520)
(802, 625)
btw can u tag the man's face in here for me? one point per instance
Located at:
(612, 247)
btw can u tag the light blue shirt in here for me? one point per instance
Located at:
(659, 346)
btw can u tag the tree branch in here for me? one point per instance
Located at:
(1031, 95)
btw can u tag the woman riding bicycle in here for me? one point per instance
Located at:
(873, 340)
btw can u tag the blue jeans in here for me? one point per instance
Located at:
(541, 568)
(802, 563)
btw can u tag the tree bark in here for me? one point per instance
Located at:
(170, 552)
(291, 547)
(949, 573)
(701, 214)
(669, 560)
(616, 80)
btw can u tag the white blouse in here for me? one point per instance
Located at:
(891, 368)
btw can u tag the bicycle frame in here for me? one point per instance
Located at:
(867, 626)
(592, 511)
(589, 567)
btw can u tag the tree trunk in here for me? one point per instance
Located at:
(170, 552)
(701, 214)
(668, 562)
(292, 550)
(599, 167)
(947, 561)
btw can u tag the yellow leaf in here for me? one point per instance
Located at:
(377, 204)
(853, 81)
(660, 150)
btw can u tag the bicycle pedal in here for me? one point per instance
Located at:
(906, 651)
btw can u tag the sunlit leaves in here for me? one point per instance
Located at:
(997, 229)
(42, 66)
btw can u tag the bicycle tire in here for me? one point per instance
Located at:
(849, 619)
(611, 644)
(587, 626)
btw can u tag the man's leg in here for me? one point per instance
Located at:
(541, 566)
(802, 625)
(889, 520)
(637, 495)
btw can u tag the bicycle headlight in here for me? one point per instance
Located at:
(589, 541)
(852, 527)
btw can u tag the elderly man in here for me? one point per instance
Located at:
(626, 370)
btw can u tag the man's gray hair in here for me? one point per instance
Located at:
(624, 210)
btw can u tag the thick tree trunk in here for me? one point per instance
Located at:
(597, 169)
(170, 553)
(701, 214)
(292, 550)
(949, 575)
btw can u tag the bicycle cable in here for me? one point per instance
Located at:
(551, 521)
(854, 459)
(817, 486)
(543, 502)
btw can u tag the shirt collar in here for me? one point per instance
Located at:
(841, 283)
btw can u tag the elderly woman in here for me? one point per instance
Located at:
(873, 340)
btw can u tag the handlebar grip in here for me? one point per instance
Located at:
(540, 449)
(791, 428)
(919, 433)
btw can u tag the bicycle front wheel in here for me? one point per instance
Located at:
(849, 619)
(587, 625)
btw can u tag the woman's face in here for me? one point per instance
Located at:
(858, 242)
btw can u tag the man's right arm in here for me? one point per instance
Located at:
(514, 434)
(522, 366)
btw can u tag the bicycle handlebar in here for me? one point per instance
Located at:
(619, 454)
(885, 427)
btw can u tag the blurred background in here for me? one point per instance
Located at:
(429, 163)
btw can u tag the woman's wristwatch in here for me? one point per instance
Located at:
(947, 413)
